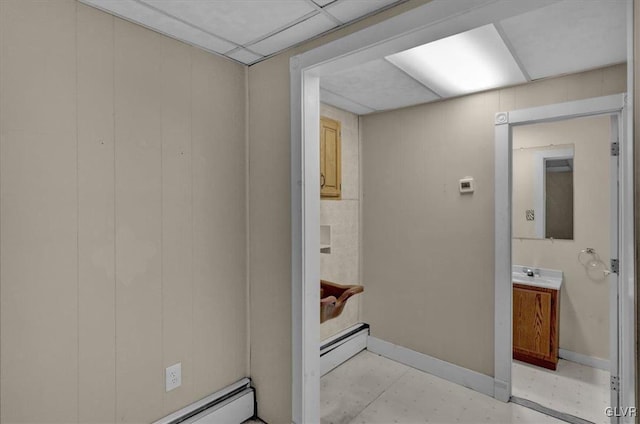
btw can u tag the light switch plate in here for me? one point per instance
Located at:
(466, 185)
(173, 376)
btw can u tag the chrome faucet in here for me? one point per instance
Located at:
(531, 272)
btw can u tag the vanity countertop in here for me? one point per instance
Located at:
(543, 278)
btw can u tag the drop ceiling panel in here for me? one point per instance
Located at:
(569, 36)
(239, 21)
(378, 85)
(143, 15)
(262, 27)
(323, 2)
(348, 10)
(343, 103)
(244, 56)
(293, 35)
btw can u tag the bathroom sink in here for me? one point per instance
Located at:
(543, 277)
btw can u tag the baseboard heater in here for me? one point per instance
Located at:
(339, 348)
(232, 405)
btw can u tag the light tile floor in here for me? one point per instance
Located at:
(573, 388)
(371, 389)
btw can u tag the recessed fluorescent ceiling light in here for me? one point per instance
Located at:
(464, 63)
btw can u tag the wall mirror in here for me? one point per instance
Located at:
(543, 191)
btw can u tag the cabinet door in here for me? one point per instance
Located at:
(330, 159)
(532, 321)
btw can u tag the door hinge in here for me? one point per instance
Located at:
(615, 149)
(615, 266)
(615, 383)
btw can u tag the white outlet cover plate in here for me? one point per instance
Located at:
(173, 377)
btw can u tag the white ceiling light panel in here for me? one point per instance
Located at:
(348, 10)
(138, 13)
(569, 36)
(467, 62)
(293, 35)
(377, 85)
(239, 21)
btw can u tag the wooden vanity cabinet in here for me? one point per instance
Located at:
(535, 325)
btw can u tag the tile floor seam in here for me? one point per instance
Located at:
(382, 393)
(438, 400)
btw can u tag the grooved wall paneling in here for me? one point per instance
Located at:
(122, 217)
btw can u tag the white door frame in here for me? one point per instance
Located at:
(623, 285)
(432, 21)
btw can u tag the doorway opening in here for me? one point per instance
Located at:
(431, 22)
(511, 295)
(565, 225)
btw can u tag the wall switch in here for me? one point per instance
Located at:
(173, 376)
(466, 185)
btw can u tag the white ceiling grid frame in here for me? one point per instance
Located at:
(349, 10)
(378, 85)
(323, 3)
(343, 103)
(306, 29)
(246, 31)
(324, 11)
(243, 55)
(240, 21)
(141, 14)
(568, 36)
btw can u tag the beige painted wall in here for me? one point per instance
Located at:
(584, 306)
(342, 265)
(270, 222)
(122, 183)
(427, 249)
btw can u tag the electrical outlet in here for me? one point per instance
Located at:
(173, 376)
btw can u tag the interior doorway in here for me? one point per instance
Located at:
(564, 205)
(428, 23)
(526, 288)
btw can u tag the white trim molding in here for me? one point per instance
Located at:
(446, 370)
(622, 284)
(342, 347)
(590, 361)
(233, 404)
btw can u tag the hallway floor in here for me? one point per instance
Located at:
(573, 388)
(371, 389)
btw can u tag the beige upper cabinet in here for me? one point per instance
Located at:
(330, 162)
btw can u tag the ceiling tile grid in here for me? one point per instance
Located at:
(141, 14)
(304, 30)
(243, 30)
(569, 36)
(349, 10)
(239, 21)
(343, 103)
(378, 85)
(563, 37)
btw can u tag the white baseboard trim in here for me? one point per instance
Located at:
(590, 361)
(456, 374)
(342, 347)
(233, 404)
